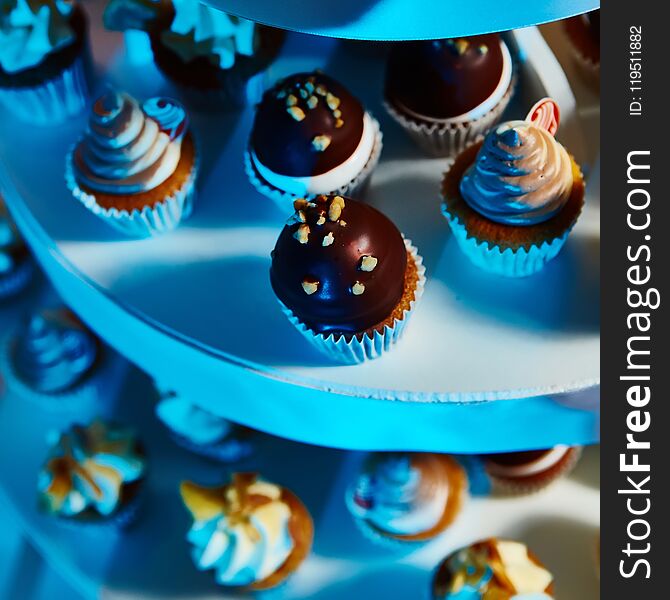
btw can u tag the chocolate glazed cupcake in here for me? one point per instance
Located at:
(311, 136)
(527, 472)
(346, 277)
(446, 93)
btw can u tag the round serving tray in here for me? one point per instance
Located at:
(194, 308)
(403, 19)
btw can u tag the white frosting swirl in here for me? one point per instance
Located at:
(199, 30)
(243, 541)
(392, 495)
(32, 29)
(127, 151)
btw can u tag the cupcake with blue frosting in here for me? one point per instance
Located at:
(251, 533)
(16, 266)
(43, 59)
(217, 60)
(93, 475)
(492, 569)
(202, 432)
(406, 498)
(52, 359)
(512, 199)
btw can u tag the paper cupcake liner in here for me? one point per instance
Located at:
(118, 521)
(53, 101)
(284, 200)
(388, 542)
(150, 221)
(507, 262)
(534, 484)
(369, 345)
(588, 70)
(80, 397)
(449, 139)
(226, 451)
(17, 279)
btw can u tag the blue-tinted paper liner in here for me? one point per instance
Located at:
(370, 345)
(353, 189)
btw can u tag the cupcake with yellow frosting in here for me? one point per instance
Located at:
(136, 165)
(251, 533)
(512, 199)
(492, 568)
(93, 475)
(43, 59)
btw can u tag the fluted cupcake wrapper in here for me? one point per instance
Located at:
(448, 139)
(85, 394)
(226, 451)
(150, 221)
(507, 262)
(370, 344)
(17, 279)
(588, 70)
(54, 100)
(388, 542)
(354, 189)
(532, 485)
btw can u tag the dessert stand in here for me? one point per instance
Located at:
(487, 363)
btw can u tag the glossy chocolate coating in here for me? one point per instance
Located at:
(441, 79)
(593, 19)
(332, 304)
(299, 110)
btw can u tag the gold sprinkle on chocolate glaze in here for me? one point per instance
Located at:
(483, 49)
(462, 45)
(300, 203)
(328, 239)
(321, 90)
(296, 112)
(357, 289)
(343, 223)
(304, 94)
(321, 220)
(302, 234)
(339, 123)
(368, 263)
(312, 102)
(337, 113)
(321, 142)
(310, 286)
(332, 101)
(291, 100)
(335, 208)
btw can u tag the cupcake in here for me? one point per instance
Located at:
(135, 166)
(512, 199)
(346, 277)
(16, 266)
(202, 432)
(311, 136)
(52, 359)
(251, 533)
(217, 61)
(584, 34)
(43, 59)
(524, 472)
(492, 568)
(447, 93)
(401, 497)
(93, 475)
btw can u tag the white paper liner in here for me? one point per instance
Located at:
(53, 101)
(506, 487)
(449, 139)
(154, 220)
(80, 397)
(354, 189)
(370, 345)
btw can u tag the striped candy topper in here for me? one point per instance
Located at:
(545, 114)
(169, 114)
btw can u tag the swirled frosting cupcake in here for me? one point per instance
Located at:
(42, 65)
(135, 166)
(201, 431)
(512, 199)
(311, 136)
(217, 60)
(53, 356)
(15, 263)
(250, 532)
(492, 568)
(407, 497)
(92, 474)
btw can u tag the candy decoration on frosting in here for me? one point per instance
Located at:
(545, 114)
(169, 114)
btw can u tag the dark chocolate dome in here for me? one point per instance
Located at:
(441, 79)
(306, 125)
(339, 265)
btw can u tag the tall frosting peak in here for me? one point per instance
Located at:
(128, 148)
